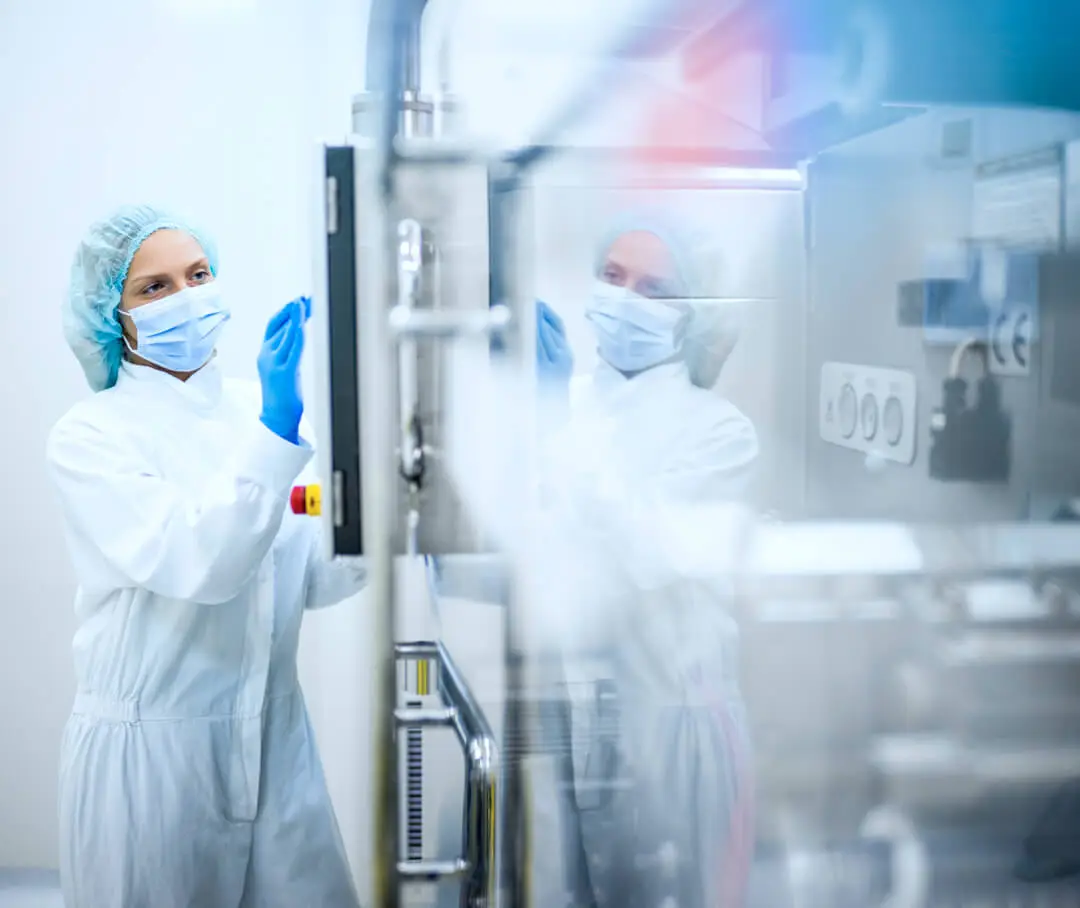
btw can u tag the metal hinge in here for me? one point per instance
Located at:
(331, 206)
(338, 503)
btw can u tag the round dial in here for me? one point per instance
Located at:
(869, 415)
(893, 421)
(849, 411)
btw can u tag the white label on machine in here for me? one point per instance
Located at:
(1018, 202)
(868, 409)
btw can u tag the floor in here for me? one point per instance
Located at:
(768, 889)
(30, 889)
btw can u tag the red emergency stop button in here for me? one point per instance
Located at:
(306, 500)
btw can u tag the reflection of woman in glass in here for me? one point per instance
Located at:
(664, 804)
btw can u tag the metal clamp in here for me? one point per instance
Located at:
(460, 712)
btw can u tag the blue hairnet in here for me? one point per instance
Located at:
(680, 244)
(715, 326)
(91, 325)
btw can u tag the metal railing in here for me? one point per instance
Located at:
(460, 711)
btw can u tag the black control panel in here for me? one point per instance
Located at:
(341, 304)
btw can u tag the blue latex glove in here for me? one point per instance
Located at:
(279, 370)
(554, 361)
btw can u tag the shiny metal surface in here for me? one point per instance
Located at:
(410, 263)
(479, 826)
(380, 515)
(407, 323)
(433, 871)
(448, 202)
(426, 718)
(392, 70)
(885, 704)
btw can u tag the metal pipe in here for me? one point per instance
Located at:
(377, 502)
(432, 871)
(445, 323)
(479, 823)
(393, 26)
(410, 262)
(472, 724)
(515, 855)
(481, 779)
(393, 76)
(393, 46)
(410, 44)
(427, 718)
(481, 752)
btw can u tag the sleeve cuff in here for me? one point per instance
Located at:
(273, 462)
(307, 434)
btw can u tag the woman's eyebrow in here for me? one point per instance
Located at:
(655, 283)
(148, 278)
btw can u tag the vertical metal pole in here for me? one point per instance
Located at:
(393, 68)
(379, 485)
(515, 825)
(515, 835)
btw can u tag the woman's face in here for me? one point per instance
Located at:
(641, 262)
(166, 263)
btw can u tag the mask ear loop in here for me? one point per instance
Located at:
(682, 329)
(123, 336)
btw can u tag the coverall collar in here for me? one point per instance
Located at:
(609, 380)
(201, 391)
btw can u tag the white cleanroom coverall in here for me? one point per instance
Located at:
(189, 773)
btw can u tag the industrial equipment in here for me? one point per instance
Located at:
(910, 647)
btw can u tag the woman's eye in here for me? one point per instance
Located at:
(202, 276)
(656, 290)
(650, 290)
(151, 289)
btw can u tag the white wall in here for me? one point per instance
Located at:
(210, 107)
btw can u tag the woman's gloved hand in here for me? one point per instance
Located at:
(279, 370)
(554, 361)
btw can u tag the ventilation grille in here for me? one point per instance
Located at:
(414, 790)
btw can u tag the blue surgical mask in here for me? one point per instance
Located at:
(633, 332)
(179, 332)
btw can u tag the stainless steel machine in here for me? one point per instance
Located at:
(911, 622)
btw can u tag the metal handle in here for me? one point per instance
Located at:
(460, 712)
(410, 263)
(406, 322)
